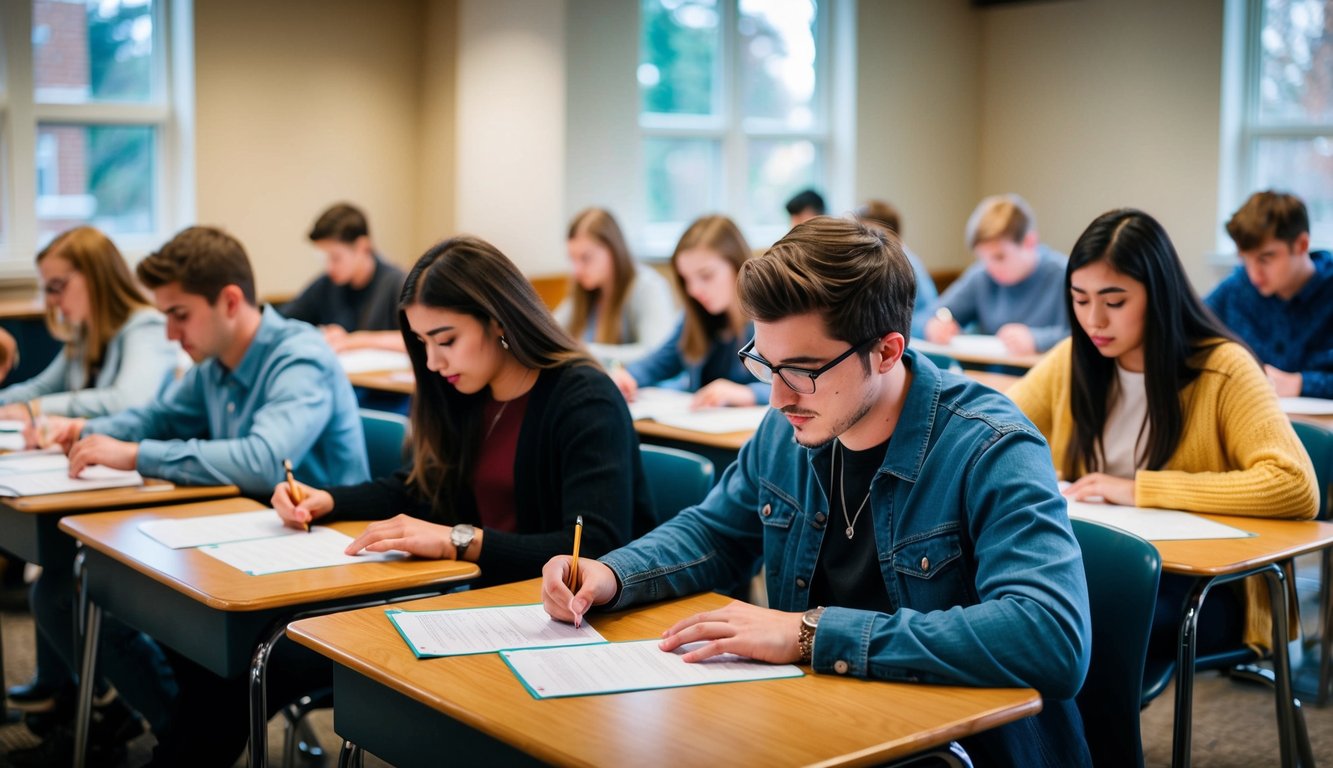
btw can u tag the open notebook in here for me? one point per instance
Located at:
(36, 473)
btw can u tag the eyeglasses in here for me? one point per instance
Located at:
(56, 286)
(799, 380)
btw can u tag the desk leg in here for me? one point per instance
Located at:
(1185, 656)
(1276, 578)
(90, 629)
(259, 694)
(1326, 624)
(350, 756)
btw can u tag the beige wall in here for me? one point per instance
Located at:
(918, 105)
(304, 103)
(1089, 105)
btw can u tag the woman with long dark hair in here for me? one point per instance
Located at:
(515, 431)
(1153, 403)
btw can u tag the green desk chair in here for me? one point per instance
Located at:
(1123, 572)
(1318, 442)
(676, 479)
(385, 433)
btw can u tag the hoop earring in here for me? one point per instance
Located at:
(504, 343)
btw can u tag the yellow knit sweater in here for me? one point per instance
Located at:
(1238, 454)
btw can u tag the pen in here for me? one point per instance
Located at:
(293, 488)
(37, 425)
(574, 561)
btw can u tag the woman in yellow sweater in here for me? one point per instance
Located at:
(1151, 402)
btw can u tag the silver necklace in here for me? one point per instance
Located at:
(503, 406)
(842, 492)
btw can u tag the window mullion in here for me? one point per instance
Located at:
(20, 129)
(734, 145)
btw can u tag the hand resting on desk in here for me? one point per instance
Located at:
(103, 451)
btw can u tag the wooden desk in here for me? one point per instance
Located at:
(1012, 361)
(474, 711)
(1219, 561)
(1000, 382)
(1319, 421)
(212, 613)
(385, 381)
(23, 309)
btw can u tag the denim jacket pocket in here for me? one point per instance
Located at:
(930, 572)
(777, 509)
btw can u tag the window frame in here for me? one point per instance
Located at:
(169, 112)
(733, 132)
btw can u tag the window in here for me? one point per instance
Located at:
(1286, 127)
(734, 112)
(92, 122)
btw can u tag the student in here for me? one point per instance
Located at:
(355, 301)
(878, 213)
(1180, 417)
(805, 205)
(705, 342)
(263, 389)
(515, 431)
(116, 356)
(116, 352)
(621, 309)
(950, 559)
(1280, 299)
(1014, 289)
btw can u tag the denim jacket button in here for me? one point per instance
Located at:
(800, 583)
(820, 518)
(767, 510)
(841, 667)
(925, 564)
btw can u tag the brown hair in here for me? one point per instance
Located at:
(880, 213)
(720, 235)
(1265, 215)
(343, 222)
(470, 276)
(204, 260)
(854, 276)
(600, 225)
(112, 294)
(999, 216)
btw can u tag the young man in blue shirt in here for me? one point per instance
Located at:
(263, 389)
(909, 519)
(1015, 291)
(1280, 299)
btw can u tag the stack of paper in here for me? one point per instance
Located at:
(36, 473)
(1306, 406)
(1154, 524)
(672, 408)
(258, 543)
(371, 360)
(11, 434)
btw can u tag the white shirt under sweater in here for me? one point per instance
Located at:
(1125, 435)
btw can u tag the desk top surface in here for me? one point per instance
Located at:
(875, 721)
(976, 358)
(728, 440)
(151, 493)
(23, 309)
(222, 587)
(1277, 540)
(397, 382)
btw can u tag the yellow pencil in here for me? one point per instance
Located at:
(293, 488)
(574, 561)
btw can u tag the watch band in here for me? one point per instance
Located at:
(805, 641)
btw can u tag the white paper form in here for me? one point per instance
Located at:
(180, 533)
(1154, 524)
(1306, 406)
(978, 344)
(370, 360)
(651, 402)
(321, 548)
(464, 631)
(585, 670)
(36, 473)
(671, 408)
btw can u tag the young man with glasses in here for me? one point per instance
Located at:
(909, 519)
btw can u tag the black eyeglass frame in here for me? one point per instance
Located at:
(746, 354)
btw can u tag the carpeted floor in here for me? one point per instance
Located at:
(1234, 722)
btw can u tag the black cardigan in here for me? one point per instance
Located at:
(577, 454)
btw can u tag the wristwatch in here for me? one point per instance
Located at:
(805, 641)
(461, 537)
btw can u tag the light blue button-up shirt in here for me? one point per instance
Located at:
(288, 399)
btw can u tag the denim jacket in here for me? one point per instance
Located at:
(975, 549)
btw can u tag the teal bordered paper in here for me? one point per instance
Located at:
(501, 627)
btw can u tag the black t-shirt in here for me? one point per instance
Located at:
(371, 308)
(847, 573)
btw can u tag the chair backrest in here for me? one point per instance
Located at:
(1123, 571)
(385, 433)
(676, 479)
(1318, 442)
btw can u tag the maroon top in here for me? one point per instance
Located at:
(493, 479)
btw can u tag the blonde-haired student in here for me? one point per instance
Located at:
(116, 353)
(620, 309)
(1153, 403)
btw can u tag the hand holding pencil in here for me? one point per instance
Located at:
(299, 504)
